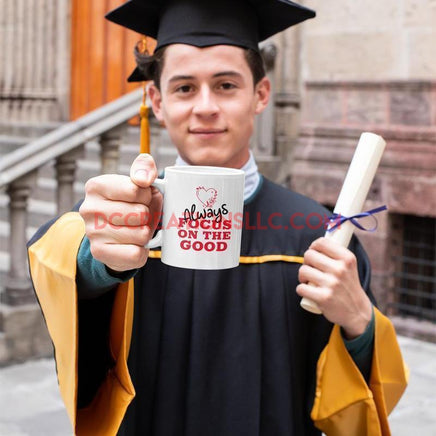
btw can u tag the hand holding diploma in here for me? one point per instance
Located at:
(329, 278)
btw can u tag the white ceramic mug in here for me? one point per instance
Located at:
(202, 217)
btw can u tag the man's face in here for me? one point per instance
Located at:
(208, 103)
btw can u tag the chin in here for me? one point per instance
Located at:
(209, 160)
(217, 156)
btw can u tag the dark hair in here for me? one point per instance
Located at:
(152, 65)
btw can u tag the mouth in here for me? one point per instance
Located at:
(207, 131)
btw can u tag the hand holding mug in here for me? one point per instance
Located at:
(118, 212)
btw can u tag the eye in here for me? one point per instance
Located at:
(184, 89)
(227, 86)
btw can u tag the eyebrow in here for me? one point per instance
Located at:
(180, 77)
(228, 73)
(220, 74)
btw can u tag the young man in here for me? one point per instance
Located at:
(226, 352)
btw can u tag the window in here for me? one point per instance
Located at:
(415, 277)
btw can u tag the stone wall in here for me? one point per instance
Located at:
(371, 66)
(371, 39)
(404, 114)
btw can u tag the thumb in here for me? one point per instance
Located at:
(143, 171)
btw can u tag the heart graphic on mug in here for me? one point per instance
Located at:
(207, 196)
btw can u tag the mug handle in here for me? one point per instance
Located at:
(157, 240)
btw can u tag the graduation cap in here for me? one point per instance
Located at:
(203, 23)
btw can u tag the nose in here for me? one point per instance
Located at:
(205, 103)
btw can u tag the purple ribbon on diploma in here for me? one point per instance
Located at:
(339, 219)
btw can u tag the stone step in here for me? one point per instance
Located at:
(4, 268)
(4, 232)
(39, 211)
(165, 157)
(89, 165)
(29, 130)
(45, 190)
(128, 152)
(15, 135)
(26, 333)
(4, 263)
(4, 250)
(10, 143)
(4, 354)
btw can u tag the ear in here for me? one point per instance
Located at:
(156, 101)
(262, 91)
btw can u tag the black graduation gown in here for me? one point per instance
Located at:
(227, 352)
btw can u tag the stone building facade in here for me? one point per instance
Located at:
(371, 66)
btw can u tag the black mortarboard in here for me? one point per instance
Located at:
(202, 23)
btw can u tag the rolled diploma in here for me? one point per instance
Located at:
(354, 191)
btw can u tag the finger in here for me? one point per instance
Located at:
(319, 260)
(123, 235)
(120, 257)
(155, 208)
(117, 188)
(330, 248)
(317, 294)
(143, 171)
(308, 274)
(115, 213)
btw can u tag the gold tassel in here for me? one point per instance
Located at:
(145, 127)
(143, 112)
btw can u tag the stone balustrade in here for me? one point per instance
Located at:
(18, 289)
(22, 331)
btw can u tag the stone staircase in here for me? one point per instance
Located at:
(42, 202)
(13, 136)
(41, 208)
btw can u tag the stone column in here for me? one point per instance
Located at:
(263, 139)
(288, 97)
(18, 288)
(110, 143)
(66, 166)
(287, 128)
